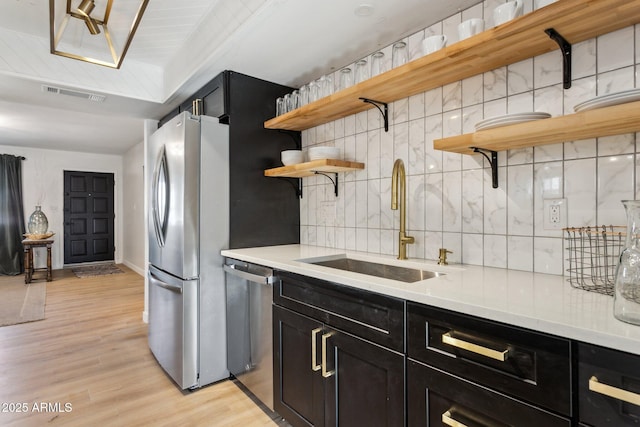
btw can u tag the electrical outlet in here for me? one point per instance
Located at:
(555, 214)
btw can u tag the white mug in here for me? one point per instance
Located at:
(470, 27)
(507, 11)
(433, 43)
(543, 3)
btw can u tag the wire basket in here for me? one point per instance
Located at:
(594, 253)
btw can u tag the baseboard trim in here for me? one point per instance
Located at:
(135, 268)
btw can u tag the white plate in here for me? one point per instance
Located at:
(608, 100)
(510, 119)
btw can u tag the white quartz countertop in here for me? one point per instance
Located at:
(540, 302)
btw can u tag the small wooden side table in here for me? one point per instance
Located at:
(29, 269)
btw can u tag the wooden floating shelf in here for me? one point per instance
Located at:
(301, 170)
(516, 40)
(613, 120)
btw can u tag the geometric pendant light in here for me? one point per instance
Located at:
(94, 31)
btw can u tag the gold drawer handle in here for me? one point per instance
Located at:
(475, 348)
(616, 393)
(325, 373)
(446, 419)
(314, 349)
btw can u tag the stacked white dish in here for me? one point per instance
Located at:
(608, 100)
(291, 157)
(510, 119)
(323, 152)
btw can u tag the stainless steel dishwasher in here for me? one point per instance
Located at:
(249, 328)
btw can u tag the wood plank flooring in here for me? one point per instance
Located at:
(88, 364)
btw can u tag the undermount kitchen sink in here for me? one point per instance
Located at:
(385, 271)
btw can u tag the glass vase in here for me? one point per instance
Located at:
(626, 305)
(38, 222)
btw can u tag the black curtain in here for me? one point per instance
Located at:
(11, 215)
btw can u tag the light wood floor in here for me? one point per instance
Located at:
(90, 354)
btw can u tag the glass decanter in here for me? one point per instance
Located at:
(626, 305)
(38, 222)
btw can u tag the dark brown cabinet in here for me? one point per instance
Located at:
(329, 375)
(479, 372)
(608, 387)
(299, 388)
(436, 398)
(349, 357)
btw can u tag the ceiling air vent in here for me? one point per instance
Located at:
(84, 95)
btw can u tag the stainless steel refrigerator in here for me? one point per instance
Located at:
(188, 164)
(208, 192)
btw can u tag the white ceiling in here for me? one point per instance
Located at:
(180, 46)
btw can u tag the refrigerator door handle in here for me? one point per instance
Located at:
(160, 197)
(156, 281)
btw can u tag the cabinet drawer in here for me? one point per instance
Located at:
(608, 386)
(436, 398)
(377, 318)
(530, 366)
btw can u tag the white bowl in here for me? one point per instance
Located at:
(316, 153)
(291, 157)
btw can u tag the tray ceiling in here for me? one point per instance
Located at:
(178, 47)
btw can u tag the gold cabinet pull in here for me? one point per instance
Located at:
(616, 393)
(447, 420)
(325, 373)
(475, 348)
(314, 349)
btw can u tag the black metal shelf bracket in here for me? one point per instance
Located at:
(295, 135)
(385, 113)
(493, 162)
(565, 47)
(334, 182)
(296, 183)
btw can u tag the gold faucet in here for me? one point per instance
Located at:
(398, 178)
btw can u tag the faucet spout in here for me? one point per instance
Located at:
(399, 185)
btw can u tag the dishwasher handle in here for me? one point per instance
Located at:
(263, 280)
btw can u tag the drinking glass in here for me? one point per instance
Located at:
(304, 95)
(294, 100)
(377, 66)
(314, 91)
(326, 86)
(280, 109)
(286, 103)
(361, 72)
(399, 54)
(345, 78)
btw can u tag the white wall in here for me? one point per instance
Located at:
(43, 184)
(451, 201)
(133, 248)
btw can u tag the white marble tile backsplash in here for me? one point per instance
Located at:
(451, 202)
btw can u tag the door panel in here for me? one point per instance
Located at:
(298, 388)
(88, 217)
(367, 388)
(173, 156)
(173, 326)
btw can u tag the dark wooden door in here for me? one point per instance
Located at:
(366, 387)
(299, 393)
(88, 217)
